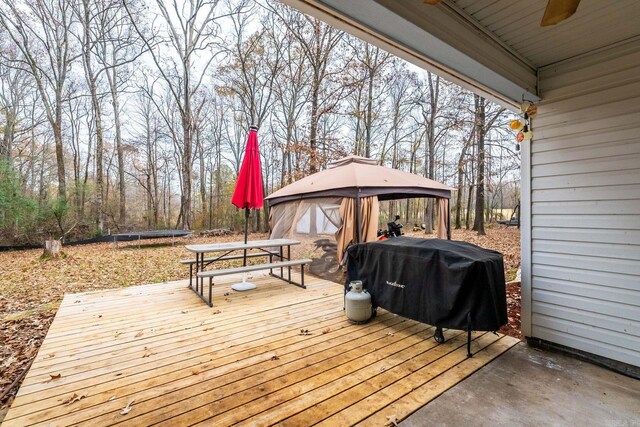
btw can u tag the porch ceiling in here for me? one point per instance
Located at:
(494, 47)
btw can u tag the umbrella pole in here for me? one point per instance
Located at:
(244, 286)
(246, 232)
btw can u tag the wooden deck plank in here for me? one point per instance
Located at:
(132, 342)
(244, 361)
(222, 371)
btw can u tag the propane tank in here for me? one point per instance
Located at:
(357, 303)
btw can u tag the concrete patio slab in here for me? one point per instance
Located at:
(530, 387)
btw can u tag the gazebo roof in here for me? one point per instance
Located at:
(355, 176)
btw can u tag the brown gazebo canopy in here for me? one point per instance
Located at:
(355, 184)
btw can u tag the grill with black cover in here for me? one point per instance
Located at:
(444, 283)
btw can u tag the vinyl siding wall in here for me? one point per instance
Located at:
(581, 287)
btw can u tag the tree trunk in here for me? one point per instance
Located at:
(122, 216)
(185, 197)
(203, 176)
(57, 136)
(97, 114)
(313, 130)
(52, 249)
(478, 223)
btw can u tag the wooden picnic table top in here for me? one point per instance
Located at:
(232, 246)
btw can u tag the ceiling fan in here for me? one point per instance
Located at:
(556, 11)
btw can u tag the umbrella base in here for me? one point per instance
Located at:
(244, 286)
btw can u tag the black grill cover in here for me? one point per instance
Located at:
(433, 281)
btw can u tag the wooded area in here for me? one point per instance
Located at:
(119, 115)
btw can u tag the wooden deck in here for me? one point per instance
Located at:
(157, 354)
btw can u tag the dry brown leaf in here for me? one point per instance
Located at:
(127, 408)
(184, 311)
(326, 330)
(54, 377)
(75, 397)
(139, 334)
(148, 354)
(392, 421)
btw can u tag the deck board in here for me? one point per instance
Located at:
(242, 362)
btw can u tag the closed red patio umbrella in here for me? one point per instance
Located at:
(248, 193)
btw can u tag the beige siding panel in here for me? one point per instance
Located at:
(588, 263)
(585, 206)
(590, 152)
(611, 163)
(604, 280)
(629, 132)
(599, 250)
(588, 344)
(587, 179)
(587, 235)
(567, 129)
(609, 322)
(607, 80)
(586, 290)
(600, 207)
(614, 222)
(618, 192)
(595, 104)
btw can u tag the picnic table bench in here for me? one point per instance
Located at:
(259, 267)
(274, 249)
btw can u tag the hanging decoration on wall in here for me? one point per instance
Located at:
(523, 125)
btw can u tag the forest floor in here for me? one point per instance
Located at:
(32, 288)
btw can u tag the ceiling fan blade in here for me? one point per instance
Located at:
(558, 11)
(432, 2)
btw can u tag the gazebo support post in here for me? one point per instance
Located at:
(448, 220)
(358, 219)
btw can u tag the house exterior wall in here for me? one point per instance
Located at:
(581, 212)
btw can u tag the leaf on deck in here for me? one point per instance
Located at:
(54, 377)
(127, 408)
(75, 397)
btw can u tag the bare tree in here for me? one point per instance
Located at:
(188, 29)
(118, 47)
(482, 127)
(370, 88)
(41, 32)
(319, 43)
(291, 94)
(14, 88)
(438, 110)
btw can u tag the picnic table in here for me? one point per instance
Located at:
(275, 252)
